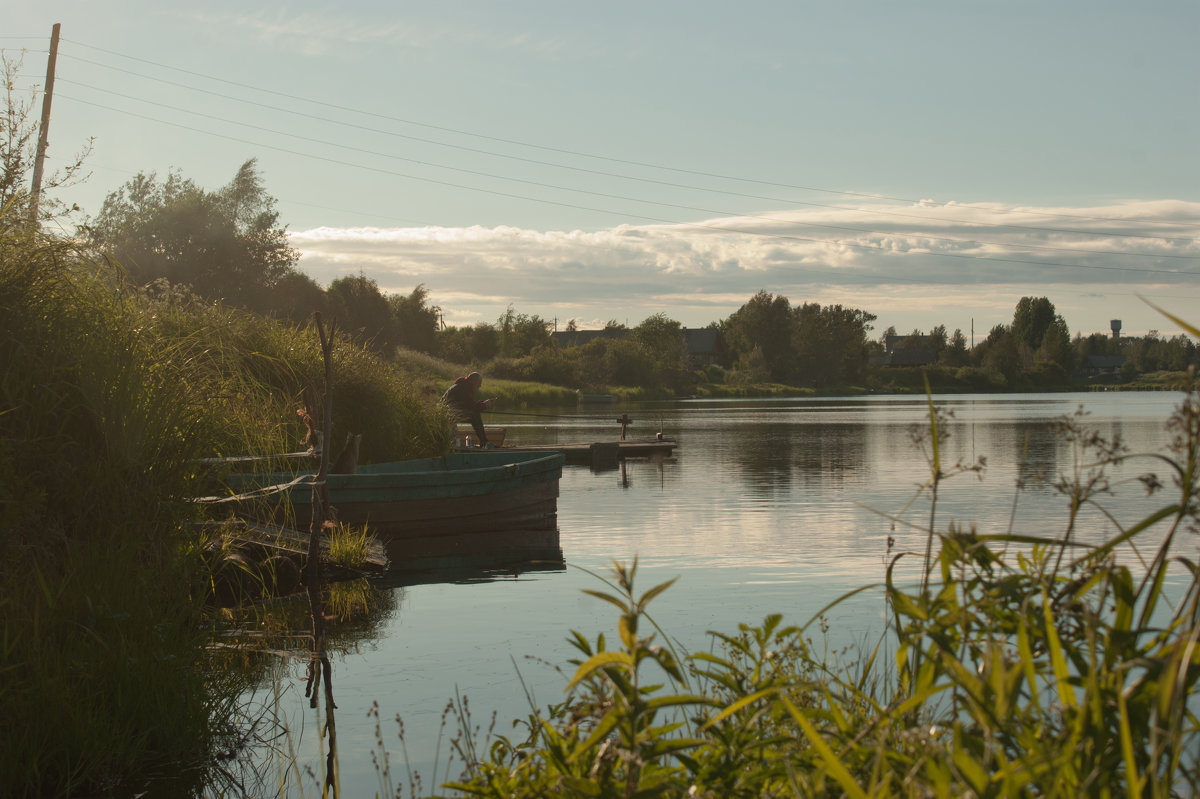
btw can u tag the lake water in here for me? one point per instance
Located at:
(767, 506)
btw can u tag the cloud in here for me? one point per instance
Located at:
(317, 33)
(876, 256)
(308, 32)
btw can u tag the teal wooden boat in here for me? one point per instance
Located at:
(463, 503)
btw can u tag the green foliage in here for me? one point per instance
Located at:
(1031, 319)
(226, 244)
(18, 153)
(109, 398)
(763, 323)
(770, 341)
(1017, 665)
(830, 343)
(469, 345)
(102, 650)
(358, 308)
(349, 546)
(519, 334)
(416, 322)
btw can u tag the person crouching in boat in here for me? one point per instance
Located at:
(461, 398)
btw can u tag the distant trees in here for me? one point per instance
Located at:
(416, 321)
(810, 344)
(1153, 353)
(360, 309)
(226, 244)
(1034, 350)
(759, 337)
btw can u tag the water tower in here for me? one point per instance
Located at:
(1115, 324)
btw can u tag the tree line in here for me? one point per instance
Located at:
(171, 236)
(229, 245)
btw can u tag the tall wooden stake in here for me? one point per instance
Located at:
(44, 132)
(319, 666)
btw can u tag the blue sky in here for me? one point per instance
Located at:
(929, 162)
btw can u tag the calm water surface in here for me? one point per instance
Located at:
(768, 506)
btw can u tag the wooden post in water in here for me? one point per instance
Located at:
(624, 421)
(318, 663)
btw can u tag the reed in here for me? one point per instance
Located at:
(101, 614)
(349, 546)
(109, 398)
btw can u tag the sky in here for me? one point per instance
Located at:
(927, 162)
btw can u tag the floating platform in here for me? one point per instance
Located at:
(597, 454)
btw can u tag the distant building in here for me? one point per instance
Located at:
(703, 345)
(578, 338)
(916, 352)
(1101, 366)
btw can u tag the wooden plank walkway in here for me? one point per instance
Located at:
(287, 541)
(601, 453)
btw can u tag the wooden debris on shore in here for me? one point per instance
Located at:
(275, 539)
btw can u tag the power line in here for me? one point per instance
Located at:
(575, 153)
(606, 195)
(510, 195)
(538, 162)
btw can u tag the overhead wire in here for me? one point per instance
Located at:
(653, 181)
(566, 151)
(725, 229)
(625, 214)
(610, 196)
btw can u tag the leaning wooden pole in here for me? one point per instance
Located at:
(320, 490)
(39, 160)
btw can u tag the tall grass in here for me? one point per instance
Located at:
(255, 371)
(98, 436)
(109, 398)
(1017, 665)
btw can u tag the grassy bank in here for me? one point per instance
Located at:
(108, 398)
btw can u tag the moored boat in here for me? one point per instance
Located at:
(462, 503)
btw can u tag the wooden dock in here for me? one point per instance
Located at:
(601, 454)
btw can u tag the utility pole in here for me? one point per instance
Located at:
(43, 133)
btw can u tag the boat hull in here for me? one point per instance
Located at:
(458, 505)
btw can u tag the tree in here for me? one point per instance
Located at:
(18, 154)
(830, 343)
(226, 244)
(469, 345)
(661, 338)
(520, 334)
(955, 353)
(998, 354)
(764, 323)
(296, 296)
(415, 322)
(1055, 347)
(359, 308)
(1031, 320)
